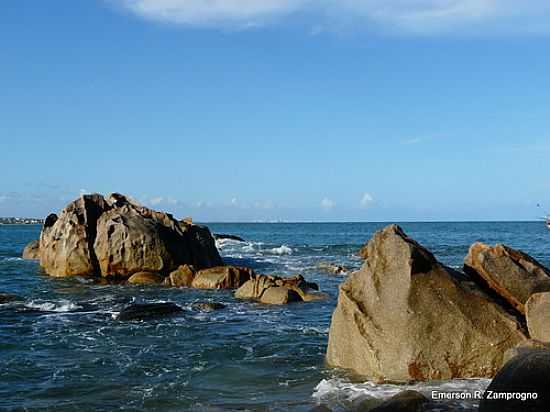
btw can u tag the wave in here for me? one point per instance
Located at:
(338, 390)
(48, 306)
(11, 259)
(281, 250)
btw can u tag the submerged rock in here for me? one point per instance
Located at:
(528, 373)
(7, 298)
(405, 316)
(142, 311)
(230, 237)
(511, 274)
(538, 316)
(221, 277)
(32, 251)
(208, 306)
(145, 278)
(117, 237)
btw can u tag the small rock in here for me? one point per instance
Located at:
(32, 250)
(208, 306)
(145, 278)
(280, 295)
(222, 277)
(142, 311)
(537, 311)
(181, 277)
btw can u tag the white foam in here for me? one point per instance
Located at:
(59, 306)
(281, 250)
(341, 390)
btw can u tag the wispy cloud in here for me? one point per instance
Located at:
(366, 201)
(410, 16)
(327, 203)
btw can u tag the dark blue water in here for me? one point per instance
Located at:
(61, 350)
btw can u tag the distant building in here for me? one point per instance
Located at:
(20, 221)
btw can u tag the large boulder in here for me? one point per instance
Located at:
(538, 316)
(405, 316)
(67, 241)
(521, 385)
(117, 237)
(221, 277)
(279, 295)
(507, 272)
(32, 250)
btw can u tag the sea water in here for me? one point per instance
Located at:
(62, 349)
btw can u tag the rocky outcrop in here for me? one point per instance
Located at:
(538, 316)
(527, 373)
(181, 277)
(277, 290)
(32, 251)
(143, 311)
(363, 252)
(117, 237)
(221, 277)
(509, 273)
(145, 278)
(405, 316)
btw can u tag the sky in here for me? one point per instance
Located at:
(267, 110)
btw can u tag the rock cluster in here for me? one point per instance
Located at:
(405, 316)
(276, 290)
(117, 237)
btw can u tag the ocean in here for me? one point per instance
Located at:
(62, 350)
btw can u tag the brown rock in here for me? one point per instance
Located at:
(66, 242)
(117, 237)
(222, 277)
(145, 278)
(363, 252)
(257, 287)
(510, 273)
(279, 295)
(404, 316)
(32, 250)
(538, 316)
(332, 268)
(181, 277)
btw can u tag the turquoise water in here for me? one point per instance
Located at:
(62, 350)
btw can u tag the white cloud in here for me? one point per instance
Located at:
(417, 16)
(154, 201)
(327, 203)
(366, 200)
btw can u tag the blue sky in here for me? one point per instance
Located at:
(245, 110)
